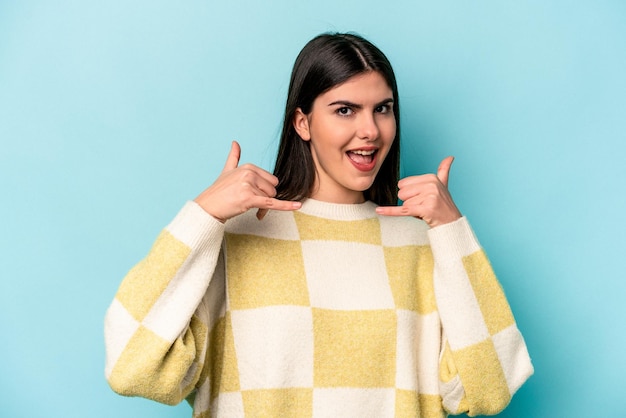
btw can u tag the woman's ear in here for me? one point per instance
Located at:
(301, 125)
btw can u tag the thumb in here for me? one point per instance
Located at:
(233, 157)
(444, 170)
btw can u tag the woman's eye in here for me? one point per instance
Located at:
(344, 111)
(382, 109)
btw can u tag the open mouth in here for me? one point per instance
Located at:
(362, 157)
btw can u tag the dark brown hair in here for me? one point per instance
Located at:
(325, 62)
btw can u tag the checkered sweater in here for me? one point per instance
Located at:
(329, 311)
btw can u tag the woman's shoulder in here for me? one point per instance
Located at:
(275, 224)
(403, 230)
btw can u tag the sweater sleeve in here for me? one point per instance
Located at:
(484, 359)
(155, 337)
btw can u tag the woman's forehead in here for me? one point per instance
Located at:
(361, 88)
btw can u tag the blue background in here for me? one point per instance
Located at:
(112, 114)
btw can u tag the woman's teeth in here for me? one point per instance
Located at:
(361, 156)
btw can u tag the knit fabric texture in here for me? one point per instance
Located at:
(328, 311)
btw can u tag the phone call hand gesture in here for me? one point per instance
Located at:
(240, 188)
(426, 197)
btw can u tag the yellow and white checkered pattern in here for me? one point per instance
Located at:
(324, 312)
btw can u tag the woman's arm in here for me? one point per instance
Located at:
(156, 330)
(484, 359)
(154, 340)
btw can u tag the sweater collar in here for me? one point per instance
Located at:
(339, 211)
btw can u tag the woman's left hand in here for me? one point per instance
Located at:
(426, 197)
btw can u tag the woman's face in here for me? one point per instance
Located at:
(351, 128)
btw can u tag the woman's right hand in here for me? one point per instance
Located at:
(239, 189)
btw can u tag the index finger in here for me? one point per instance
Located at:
(264, 204)
(392, 210)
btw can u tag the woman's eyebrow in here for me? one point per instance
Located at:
(358, 106)
(385, 102)
(345, 103)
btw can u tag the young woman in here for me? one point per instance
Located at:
(308, 292)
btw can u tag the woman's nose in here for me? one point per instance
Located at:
(367, 128)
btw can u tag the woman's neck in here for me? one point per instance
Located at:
(346, 197)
